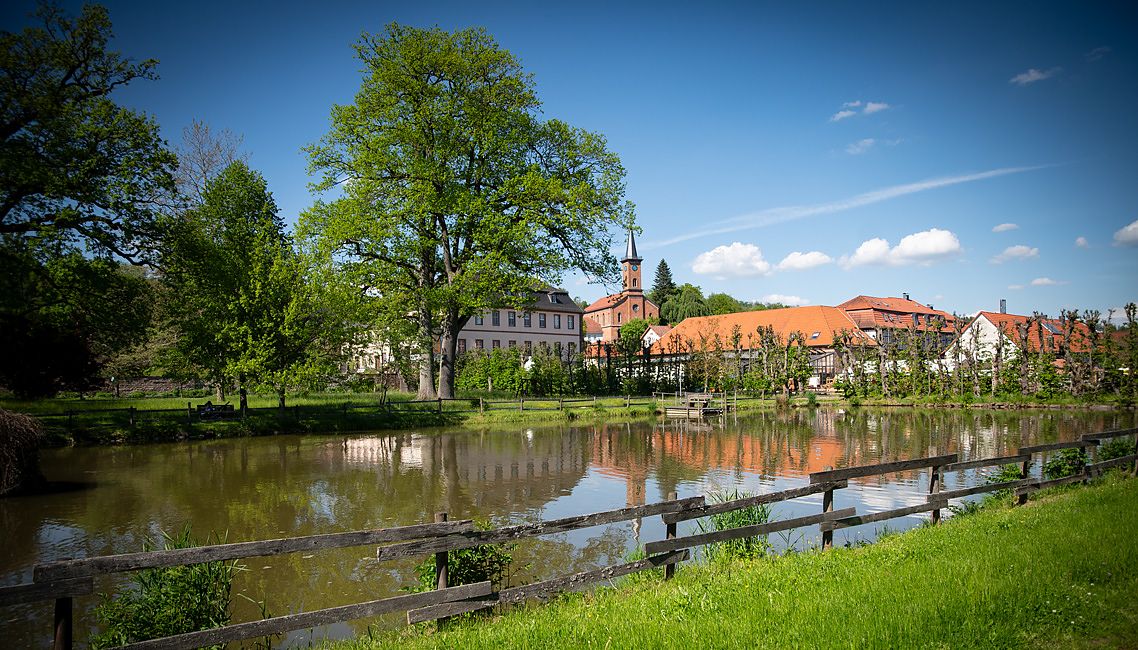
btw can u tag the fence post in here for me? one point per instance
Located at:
(594, 401)
(441, 563)
(560, 404)
(828, 506)
(521, 403)
(1092, 458)
(63, 619)
(670, 533)
(189, 413)
(934, 488)
(627, 401)
(440, 405)
(131, 414)
(1024, 468)
(480, 407)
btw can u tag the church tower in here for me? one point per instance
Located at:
(631, 266)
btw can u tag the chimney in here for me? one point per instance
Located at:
(905, 296)
(1003, 306)
(930, 306)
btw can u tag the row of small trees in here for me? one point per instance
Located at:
(908, 363)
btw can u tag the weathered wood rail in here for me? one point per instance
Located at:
(64, 580)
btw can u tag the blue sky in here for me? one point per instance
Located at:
(804, 153)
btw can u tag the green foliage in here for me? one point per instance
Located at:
(470, 565)
(632, 335)
(167, 601)
(742, 548)
(77, 171)
(500, 202)
(1115, 448)
(721, 303)
(246, 310)
(663, 287)
(687, 303)
(1067, 462)
(80, 181)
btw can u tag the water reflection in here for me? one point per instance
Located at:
(261, 488)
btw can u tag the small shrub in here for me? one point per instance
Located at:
(746, 547)
(167, 601)
(470, 565)
(855, 401)
(811, 399)
(1067, 462)
(1116, 448)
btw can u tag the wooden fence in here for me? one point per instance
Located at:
(63, 580)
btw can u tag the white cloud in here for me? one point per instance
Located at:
(1116, 315)
(1015, 287)
(797, 261)
(1017, 252)
(734, 260)
(1045, 282)
(1127, 236)
(793, 301)
(1096, 54)
(849, 109)
(923, 247)
(1004, 227)
(860, 147)
(1082, 242)
(1033, 75)
(771, 216)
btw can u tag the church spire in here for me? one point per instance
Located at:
(630, 249)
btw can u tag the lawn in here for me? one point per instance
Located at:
(1059, 572)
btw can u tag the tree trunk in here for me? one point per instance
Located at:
(244, 401)
(448, 351)
(281, 398)
(426, 356)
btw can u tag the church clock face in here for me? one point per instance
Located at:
(635, 267)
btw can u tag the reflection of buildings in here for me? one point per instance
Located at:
(466, 473)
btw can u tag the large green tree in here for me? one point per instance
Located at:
(456, 195)
(687, 303)
(82, 183)
(663, 286)
(246, 312)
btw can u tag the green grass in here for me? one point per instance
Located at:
(1060, 572)
(105, 420)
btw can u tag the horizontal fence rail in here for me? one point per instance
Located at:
(62, 580)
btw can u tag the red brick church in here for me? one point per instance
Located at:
(613, 311)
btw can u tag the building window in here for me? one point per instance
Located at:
(527, 319)
(496, 317)
(634, 282)
(529, 347)
(541, 321)
(461, 349)
(572, 347)
(635, 308)
(618, 315)
(478, 344)
(557, 349)
(495, 344)
(557, 321)
(570, 322)
(513, 344)
(512, 318)
(478, 320)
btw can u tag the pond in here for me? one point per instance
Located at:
(260, 488)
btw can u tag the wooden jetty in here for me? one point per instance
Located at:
(694, 405)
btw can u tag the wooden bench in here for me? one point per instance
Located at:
(217, 411)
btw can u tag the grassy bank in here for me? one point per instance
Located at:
(111, 421)
(1059, 572)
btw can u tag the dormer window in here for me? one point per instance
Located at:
(815, 335)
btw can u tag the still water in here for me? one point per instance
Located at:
(261, 488)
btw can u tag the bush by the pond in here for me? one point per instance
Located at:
(167, 601)
(1067, 462)
(1115, 448)
(745, 547)
(470, 565)
(20, 438)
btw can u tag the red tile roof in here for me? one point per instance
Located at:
(1049, 334)
(826, 322)
(872, 312)
(592, 326)
(605, 303)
